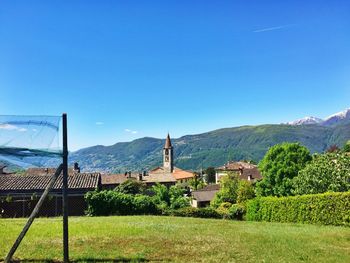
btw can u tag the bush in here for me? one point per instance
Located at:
(327, 209)
(116, 203)
(172, 197)
(245, 191)
(180, 202)
(144, 204)
(131, 187)
(205, 212)
(223, 209)
(237, 211)
(228, 190)
(325, 173)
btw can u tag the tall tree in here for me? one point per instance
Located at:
(326, 172)
(210, 172)
(279, 166)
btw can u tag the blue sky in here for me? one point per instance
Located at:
(129, 69)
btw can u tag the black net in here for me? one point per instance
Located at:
(30, 140)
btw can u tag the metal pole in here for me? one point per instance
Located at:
(65, 187)
(33, 215)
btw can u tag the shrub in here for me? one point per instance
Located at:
(245, 191)
(131, 187)
(327, 209)
(237, 211)
(172, 197)
(205, 212)
(180, 202)
(116, 203)
(144, 204)
(223, 209)
(228, 190)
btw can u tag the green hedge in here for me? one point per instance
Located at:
(102, 203)
(327, 209)
(205, 212)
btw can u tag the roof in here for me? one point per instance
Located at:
(181, 174)
(177, 173)
(235, 166)
(254, 173)
(159, 178)
(109, 179)
(204, 196)
(167, 142)
(45, 171)
(39, 182)
(210, 187)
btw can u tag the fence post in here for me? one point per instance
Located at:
(65, 188)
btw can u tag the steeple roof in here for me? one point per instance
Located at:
(167, 142)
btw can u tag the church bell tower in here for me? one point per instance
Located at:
(168, 159)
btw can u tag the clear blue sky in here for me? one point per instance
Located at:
(129, 69)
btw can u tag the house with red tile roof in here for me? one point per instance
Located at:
(168, 170)
(245, 171)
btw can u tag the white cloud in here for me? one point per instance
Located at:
(10, 127)
(5, 126)
(99, 123)
(272, 28)
(130, 131)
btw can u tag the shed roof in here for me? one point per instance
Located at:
(207, 193)
(204, 196)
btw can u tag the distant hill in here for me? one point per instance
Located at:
(212, 148)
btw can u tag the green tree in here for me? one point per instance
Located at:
(161, 195)
(172, 197)
(131, 187)
(210, 172)
(245, 191)
(228, 190)
(279, 166)
(346, 147)
(326, 172)
(196, 182)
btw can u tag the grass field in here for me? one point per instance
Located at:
(156, 239)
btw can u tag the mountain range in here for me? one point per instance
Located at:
(216, 147)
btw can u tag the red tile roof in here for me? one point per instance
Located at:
(182, 174)
(235, 166)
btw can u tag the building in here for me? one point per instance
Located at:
(168, 170)
(111, 181)
(167, 174)
(245, 171)
(20, 193)
(202, 197)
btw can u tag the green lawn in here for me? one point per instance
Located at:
(152, 238)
